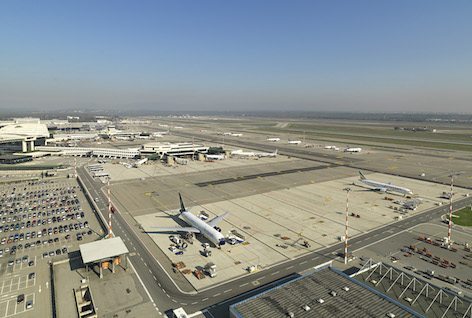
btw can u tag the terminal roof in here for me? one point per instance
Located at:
(341, 297)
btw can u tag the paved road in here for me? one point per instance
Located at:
(166, 295)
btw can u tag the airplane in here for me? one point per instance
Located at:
(273, 139)
(140, 162)
(351, 149)
(332, 147)
(127, 165)
(215, 157)
(266, 154)
(384, 187)
(242, 153)
(294, 142)
(207, 229)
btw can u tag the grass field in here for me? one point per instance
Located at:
(464, 217)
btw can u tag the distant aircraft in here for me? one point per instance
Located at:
(384, 187)
(140, 162)
(332, 147)
(273, 139)
(351, 149)
(126, 164)
(215, 157)
(241, 153)
(266, 154)
(294, 142)
(207, 229)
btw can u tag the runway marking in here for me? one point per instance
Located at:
(304, 262)
(274, 273)
(290, 267)
(216, 295)
(154, 277)
(204, 299)
(227, 291)
(245, 284)
(195, 302)
(262, 277)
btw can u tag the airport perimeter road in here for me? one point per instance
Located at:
(167, 296)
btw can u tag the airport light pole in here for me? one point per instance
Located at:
(110, 232)
(449, 230)
(346, 224)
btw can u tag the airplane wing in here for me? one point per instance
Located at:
(215, 221)
(174, 229)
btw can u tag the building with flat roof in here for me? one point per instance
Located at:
(324, 293)
(14, 159)
(164, 149)
(104, 253)
(90, 151)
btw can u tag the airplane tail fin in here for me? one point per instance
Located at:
(182, 206)
(362, 176)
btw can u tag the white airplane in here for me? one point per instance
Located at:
(331, 147)
(273, 139)
(351, 149)
(140, 162)
(384, 187)
(241, 153)
(294, 142)
(127, 165)
(207, 229)
(215, 157)
(236, 135)
(266, 154)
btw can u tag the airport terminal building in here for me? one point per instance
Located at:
(164, 149)
(324, 293)
(22, 137)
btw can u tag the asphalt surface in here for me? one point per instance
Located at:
(164, 293)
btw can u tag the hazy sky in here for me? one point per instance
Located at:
(237, 55)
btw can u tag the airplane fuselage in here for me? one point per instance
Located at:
(386, 187)
(206, 230)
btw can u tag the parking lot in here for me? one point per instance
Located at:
(41, 221)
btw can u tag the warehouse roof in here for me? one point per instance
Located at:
(102, 249)
(341, 297)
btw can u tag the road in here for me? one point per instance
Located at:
(166, 295)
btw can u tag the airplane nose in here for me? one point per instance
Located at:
(222, 242)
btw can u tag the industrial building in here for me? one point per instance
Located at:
(325, 293)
